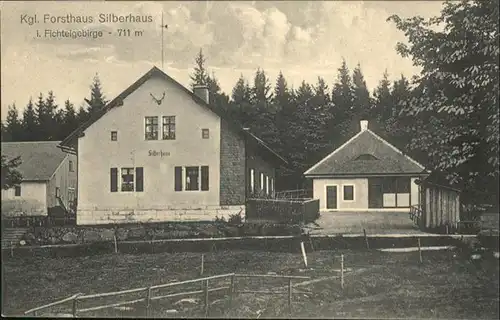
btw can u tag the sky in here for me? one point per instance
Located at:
(302, 39)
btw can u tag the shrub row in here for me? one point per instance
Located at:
(157, 231)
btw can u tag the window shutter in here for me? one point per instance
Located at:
(204, 178)
(178, 178)
(114, 179)
(139, 179)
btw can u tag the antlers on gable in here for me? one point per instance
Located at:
(158, 101)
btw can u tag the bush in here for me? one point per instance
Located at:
(235, 219)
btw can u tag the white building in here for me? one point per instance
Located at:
(366, 173)
(49, 179)
(159, 152)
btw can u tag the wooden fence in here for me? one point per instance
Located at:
(440, 207)
(295, 194)
(149, 297)
(281, 210)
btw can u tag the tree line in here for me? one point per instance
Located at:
(45, 120)
(446, 117)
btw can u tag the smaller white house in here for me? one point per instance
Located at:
(49, 179)
(366, 173)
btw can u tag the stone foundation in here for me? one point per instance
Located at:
(109, 216)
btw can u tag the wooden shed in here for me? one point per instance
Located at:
(439, 206)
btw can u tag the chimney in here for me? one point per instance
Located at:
(364, 125)
(202, 92)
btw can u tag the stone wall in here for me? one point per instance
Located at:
(232, 167)
(195, 213)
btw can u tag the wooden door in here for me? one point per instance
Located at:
(331, 197)
(375, 193)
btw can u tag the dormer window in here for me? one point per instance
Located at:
(366, 156)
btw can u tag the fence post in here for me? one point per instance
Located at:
(290, 296)
(231, 291)
(148, 302)
(366, 239)
(206, 298)
(342, 271)
(116, 244)
(75, 305)
(202, 267)
(310, 242)
(419, 251)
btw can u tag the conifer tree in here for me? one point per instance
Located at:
(29, 123)
(341, 107)
(97, 99)
(70, 120)
(200, 75)
(362, 101)
(261, 89)
(13, 128)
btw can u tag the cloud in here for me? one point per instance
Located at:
(303, 39)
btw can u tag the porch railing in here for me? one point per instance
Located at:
(416, 214)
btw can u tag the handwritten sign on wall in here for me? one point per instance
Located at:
(161, 153)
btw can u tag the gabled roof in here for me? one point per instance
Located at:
(346, 160)
(39, 159)
(69, 142)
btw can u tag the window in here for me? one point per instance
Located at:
(151, 128)
(127, 179)
(397, 185)
(348, 193)
(71, 167)
(272, 186)
(196, 178)
(205, 133)
(71, 197)
(261, 181)
(169, 128)
(17, 191)
(192, 174)
(114, 135)
(252, 180)
(390, 185)
(403, 185)
(58, 192)
(267, 185)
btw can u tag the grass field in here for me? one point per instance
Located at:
(383, 285)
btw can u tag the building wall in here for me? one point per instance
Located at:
(32, 202)
(64, 179)
(360, 192)
(414, 192)
(232, 167)
(259, 165)
(97, 154)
